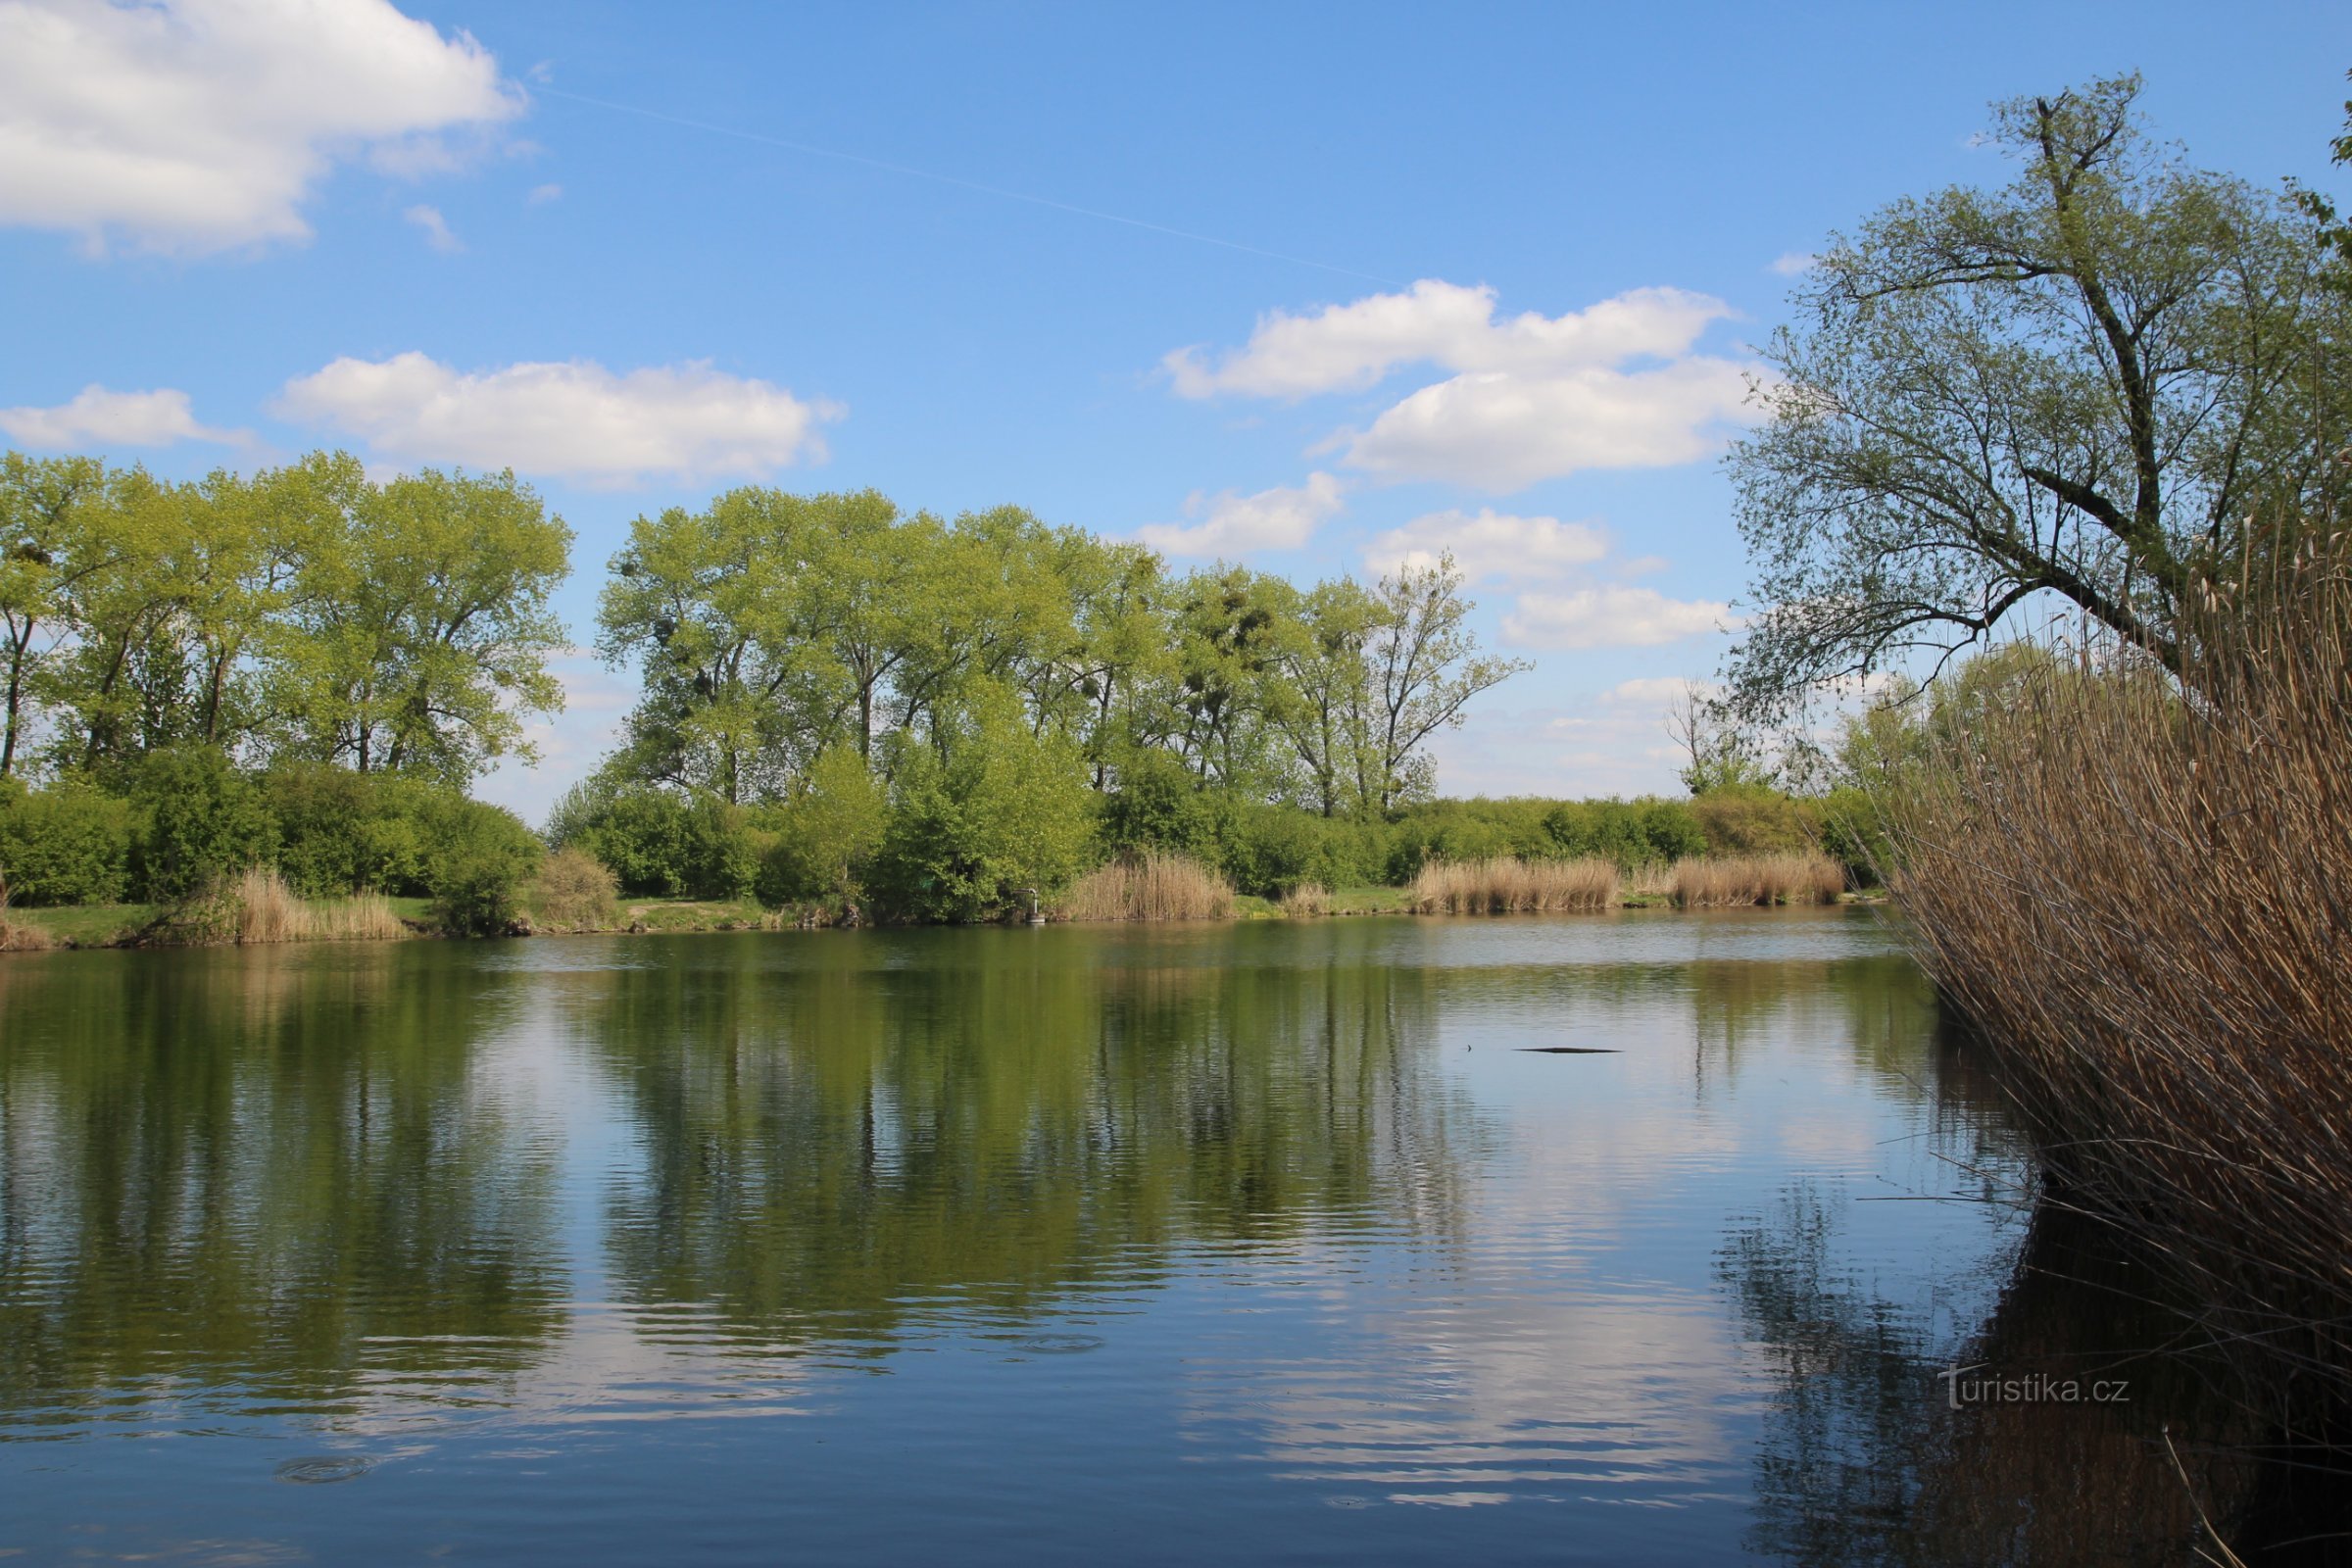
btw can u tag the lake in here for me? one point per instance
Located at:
(1275, 1241)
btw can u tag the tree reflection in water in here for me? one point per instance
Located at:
(831, 1148)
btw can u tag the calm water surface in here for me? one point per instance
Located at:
(1266, 1242)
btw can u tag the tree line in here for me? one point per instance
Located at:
(837, 697)
(304, 614)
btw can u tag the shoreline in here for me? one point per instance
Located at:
(124, 928)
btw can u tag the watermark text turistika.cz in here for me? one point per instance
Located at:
(1962, 1386)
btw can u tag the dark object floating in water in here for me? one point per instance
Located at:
(319, 1470)
(1058, 1344)
(1574, 1051)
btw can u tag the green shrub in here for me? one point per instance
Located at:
(67, 843)
(199, 820)
(1010, 809)
(1268, 849)
(659, 843)
(1752, 819)
(1156, 804)
(341, 832)
(1629, 832)
(824, 835)
(721, 851)
(481, 856)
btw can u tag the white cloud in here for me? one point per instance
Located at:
(541, 195)
(1794, 263)
(574, 420)
(1280, 518)
(436, 228)
(1529, 398)
(1350, 347)
(97, 417)
(1656, 691)
(1496, 430)
(1489, 545)
(1613, 617)
(199, 125)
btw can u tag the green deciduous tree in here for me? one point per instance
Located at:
(1423, 666)
(420, 632)
(2101, 384)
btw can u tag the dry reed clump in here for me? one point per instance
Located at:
(1306, 902)
(574, 892)
(1506, 886)
(18, 936)
(1154, 887)
(1743, 880)
(268, 911)
(2140, 888)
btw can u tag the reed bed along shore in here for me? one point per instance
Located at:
(1748, 880)
(2140, 888)
(268, 911)
(1505, 886)
(1151, 887)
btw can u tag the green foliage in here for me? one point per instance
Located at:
(199, 820)
(481, 856)
(825, 833)
(306, 612)
(1631, 833)
(341, 832)
(1009, 809)
(1752, 819)
(2105, 381)
(67, 843)
(659, 842)
(1853, 833)
(1155, 804)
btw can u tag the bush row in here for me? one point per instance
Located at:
(186, 818)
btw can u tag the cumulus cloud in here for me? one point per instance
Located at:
(1529, 398)
(98, 418)
(1489, 544)
(436, 228)
(1499, 432)
(1794, 263)
(1280, 518)
(1613, 617)
(1350, 347)
(573, 419)
(200, 126)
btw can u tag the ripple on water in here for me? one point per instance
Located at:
(318, 1470)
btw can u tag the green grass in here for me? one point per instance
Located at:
(693, 915)
(1371, 901)
(87, 925)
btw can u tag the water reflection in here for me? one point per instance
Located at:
(227, 1184)
(830, 1146)
(993, 1243)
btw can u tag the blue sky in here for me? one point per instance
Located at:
(800, 253)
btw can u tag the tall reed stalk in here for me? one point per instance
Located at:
(1508, 886)
(2140, 888)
